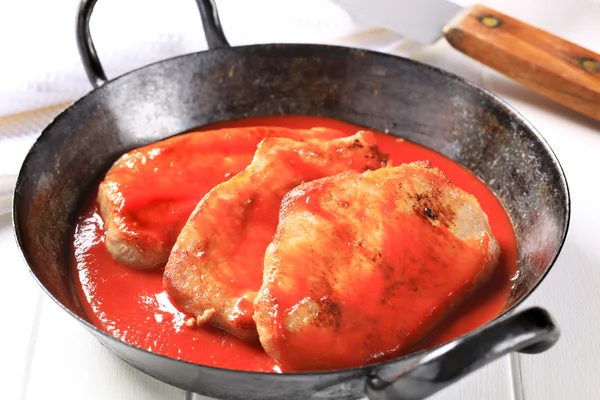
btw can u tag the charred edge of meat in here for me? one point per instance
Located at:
(357, 143)
(429, 213)
(329, 313)
(430, 206)
(376, 154)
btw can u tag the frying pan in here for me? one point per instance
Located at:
(403, 97)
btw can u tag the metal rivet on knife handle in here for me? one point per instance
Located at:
(490, 21)
(589, 64)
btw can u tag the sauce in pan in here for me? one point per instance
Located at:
(131, 305)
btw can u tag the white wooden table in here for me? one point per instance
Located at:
(45, 354)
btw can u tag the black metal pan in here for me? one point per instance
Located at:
(406, 98)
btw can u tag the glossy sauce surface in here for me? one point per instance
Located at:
(131, 305)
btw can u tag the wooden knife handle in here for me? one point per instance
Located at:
(549, 65)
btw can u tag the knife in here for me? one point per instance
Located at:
(553, 67)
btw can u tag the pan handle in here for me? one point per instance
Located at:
(213, 31)
(530, 331)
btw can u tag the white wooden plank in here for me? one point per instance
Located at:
(491, 383)
(571, 294)
(18, 302)
(68, 363)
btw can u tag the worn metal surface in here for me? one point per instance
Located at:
(408, 99)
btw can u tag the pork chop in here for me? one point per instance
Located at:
(216, 266)
(364, 266)
(147, 196)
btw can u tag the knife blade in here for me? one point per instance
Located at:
(421, 20)
(553, 67)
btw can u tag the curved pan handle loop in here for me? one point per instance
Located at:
(530, 331)
(215, 38)
(210, 21)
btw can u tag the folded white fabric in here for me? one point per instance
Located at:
(41, 65)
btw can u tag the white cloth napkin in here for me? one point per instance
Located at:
(42, 66)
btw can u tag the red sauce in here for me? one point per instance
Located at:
(182, 170)
(131, 305)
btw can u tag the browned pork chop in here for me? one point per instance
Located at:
(147, 196)
(216, 266)
(364, 266)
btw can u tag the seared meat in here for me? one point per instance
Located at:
(364, 266)
(216, 266)
(147, 196)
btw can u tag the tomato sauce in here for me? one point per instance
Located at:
(131, 305)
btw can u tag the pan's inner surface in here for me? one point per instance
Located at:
(385, 93)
